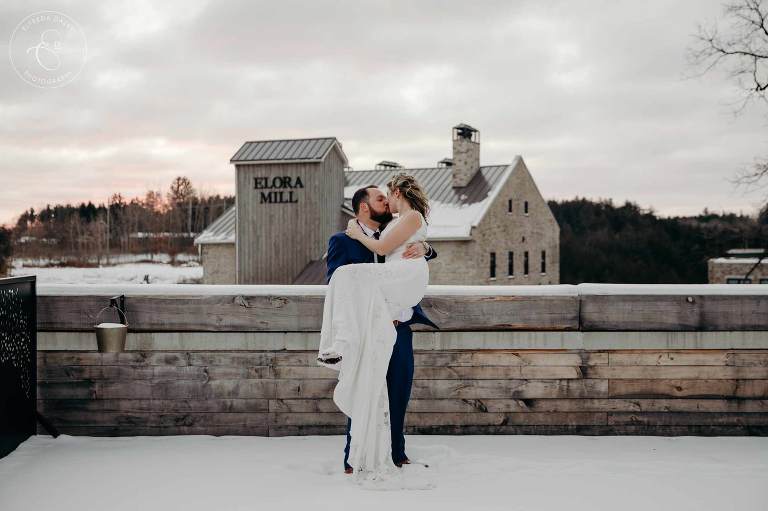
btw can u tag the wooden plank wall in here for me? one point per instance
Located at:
(690, 392)
(234, 312)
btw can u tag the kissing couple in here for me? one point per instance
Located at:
(376, 279)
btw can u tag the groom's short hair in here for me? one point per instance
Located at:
(360, 196)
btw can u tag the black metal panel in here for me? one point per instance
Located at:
(18, 361)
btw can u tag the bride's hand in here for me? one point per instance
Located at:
(354, 230)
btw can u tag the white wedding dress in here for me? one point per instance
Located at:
(361, 302)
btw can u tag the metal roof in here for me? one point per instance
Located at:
(454, 211)
(307, 149)
(436, 182)
(222, 230)
(313, 273)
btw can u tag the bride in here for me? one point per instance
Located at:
(357, 334)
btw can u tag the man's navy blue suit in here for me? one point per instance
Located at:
(344, 250)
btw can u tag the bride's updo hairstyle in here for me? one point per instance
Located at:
(411, 192)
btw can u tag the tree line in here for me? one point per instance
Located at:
(603, 242)
(156, 223)
(599, 241)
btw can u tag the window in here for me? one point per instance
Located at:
(510, 264)
(543, 261)
(525, 263)
(493, 265)
(525, 207)
(764, 281)
(737, 280)
(509, 206)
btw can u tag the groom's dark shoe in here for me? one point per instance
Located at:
(399, 464)
(348, 470)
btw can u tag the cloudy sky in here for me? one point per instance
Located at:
(595, 95)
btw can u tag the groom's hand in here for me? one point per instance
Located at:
(414, 250)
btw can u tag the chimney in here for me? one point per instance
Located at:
(466, 154)
(387, 164)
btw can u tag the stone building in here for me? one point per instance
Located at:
(739, 266)
(489, 224)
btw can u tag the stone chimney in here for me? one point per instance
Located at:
(466, 154)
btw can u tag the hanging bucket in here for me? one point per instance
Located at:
(110, 337)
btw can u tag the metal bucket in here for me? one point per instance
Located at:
(110, 337)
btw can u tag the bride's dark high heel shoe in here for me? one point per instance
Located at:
(330, 360)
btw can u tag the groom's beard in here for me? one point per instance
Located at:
(382, 218)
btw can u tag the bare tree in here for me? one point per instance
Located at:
(742, 49)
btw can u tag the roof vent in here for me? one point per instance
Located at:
(445, 162)
(386, 164)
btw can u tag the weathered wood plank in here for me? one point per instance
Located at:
(304, 389)
(479, 419)
(613, 429)
(240, 313)
(152, 374)
(120, 418)
(306, 430)
(755, 389)
(214, 389)
(685, 419)
(249, 313)
(472, 358)
(447, 373)
(677, 372)
(673, 312)
(441, 389)
(303, 405)
(479, 389)
(578, 405)
(67, 390)
(154, 405)
(202, 313)
(495, 373)
(524, 312)
(111, 430)
(686, 358)
(415, 405)
(509, 358)
(504, 419)
(309, 419)
(156, 358)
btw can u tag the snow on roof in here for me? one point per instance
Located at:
(747, 251)
(222, 230)
(738, 260)
(453, 211)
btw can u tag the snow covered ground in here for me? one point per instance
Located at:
(465, 473)
(124, 273)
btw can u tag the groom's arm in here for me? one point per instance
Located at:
(337, 256)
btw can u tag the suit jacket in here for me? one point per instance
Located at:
(344, 250)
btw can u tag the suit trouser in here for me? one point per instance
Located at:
(399, 382)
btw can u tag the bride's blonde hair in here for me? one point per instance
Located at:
(411, 192)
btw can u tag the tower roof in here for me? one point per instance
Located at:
(284, 151)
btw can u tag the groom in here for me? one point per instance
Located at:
(372, 212)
